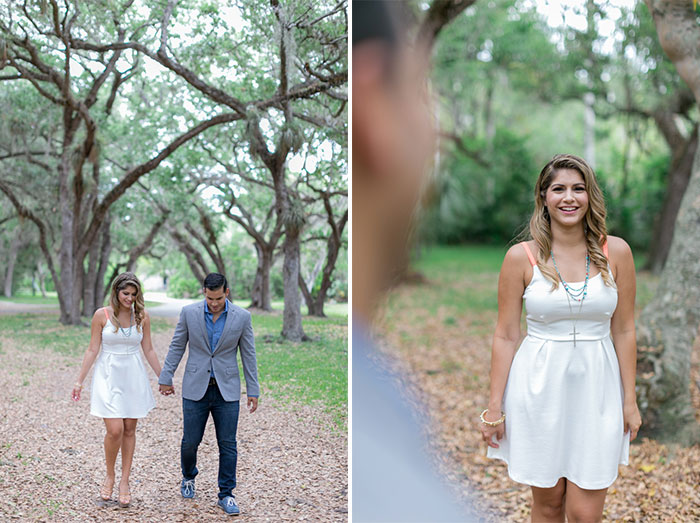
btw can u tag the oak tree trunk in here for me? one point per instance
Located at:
(260, 294)
(15, 246)
(315, 302)
(101, 289)
(668, 327)
(89, 298)
(678, 178)
(669, 324)
(291, 327)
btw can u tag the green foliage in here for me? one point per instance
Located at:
(510, 94)
(483, 202)
(232, 46)
(339, 290)
(184, 287)
(633, 207)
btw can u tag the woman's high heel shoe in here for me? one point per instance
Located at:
(107, 488)
(124, 498)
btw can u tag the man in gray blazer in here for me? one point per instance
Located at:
(215, 329)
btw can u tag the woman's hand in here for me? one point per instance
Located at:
(77, 388)
(487, 431)
(632, 418)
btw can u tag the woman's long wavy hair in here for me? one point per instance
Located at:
(595, 231)
(128, 279)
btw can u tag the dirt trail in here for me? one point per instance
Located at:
(292, 466)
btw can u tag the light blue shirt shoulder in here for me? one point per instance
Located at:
(393, 478)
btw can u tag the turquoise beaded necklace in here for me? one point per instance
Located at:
(580, 293)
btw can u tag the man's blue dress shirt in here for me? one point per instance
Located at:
(214, 329)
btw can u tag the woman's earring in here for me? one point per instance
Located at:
(546, 213)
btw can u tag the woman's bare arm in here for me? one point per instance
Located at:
(511, 285)
(622, 328)
(147, 345)
(98, 322)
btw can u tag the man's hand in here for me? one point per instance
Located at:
(166, 390)
(252, 404)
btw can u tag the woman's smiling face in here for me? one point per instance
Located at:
(127, 296)
(566, 197)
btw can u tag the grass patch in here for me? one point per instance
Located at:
(462, 284)
(160, 324)
(43, 331)
(446, 260)
(149, 304)
(331, 309)
(314, 372)
(461, 280)
(50, 299)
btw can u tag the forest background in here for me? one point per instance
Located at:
(514, 83)
(174, 139)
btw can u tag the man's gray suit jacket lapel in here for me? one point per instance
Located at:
(230, 319)
(202, 324)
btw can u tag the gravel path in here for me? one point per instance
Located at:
(292, 466)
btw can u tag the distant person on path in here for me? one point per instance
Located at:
(215, 329)
(563, 408)
(121, 393)
(393, 478)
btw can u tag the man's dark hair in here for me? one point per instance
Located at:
(214, 281)
(374, 20)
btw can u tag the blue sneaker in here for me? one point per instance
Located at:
(187, 488)
(228, 504)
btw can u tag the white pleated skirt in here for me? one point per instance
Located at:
(563, 406)
(120, 387)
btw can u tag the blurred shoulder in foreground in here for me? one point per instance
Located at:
(393, 478)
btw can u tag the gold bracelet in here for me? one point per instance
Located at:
(78, 385)
(492, 423)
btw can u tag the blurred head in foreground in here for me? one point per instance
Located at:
(392, 477)
(393, 142)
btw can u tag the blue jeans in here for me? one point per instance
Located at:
(195, 416)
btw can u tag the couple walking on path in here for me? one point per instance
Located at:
(215, 329)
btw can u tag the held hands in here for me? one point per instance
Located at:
(252, 404)
(166, 390)
(632, 419)
(487, 431)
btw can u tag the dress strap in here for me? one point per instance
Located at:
(605, 249)
(529, 254)
(106, 312)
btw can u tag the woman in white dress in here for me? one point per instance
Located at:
(120, 391)
(563, 408)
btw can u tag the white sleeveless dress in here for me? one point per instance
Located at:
(120, 387)
(563, 403)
